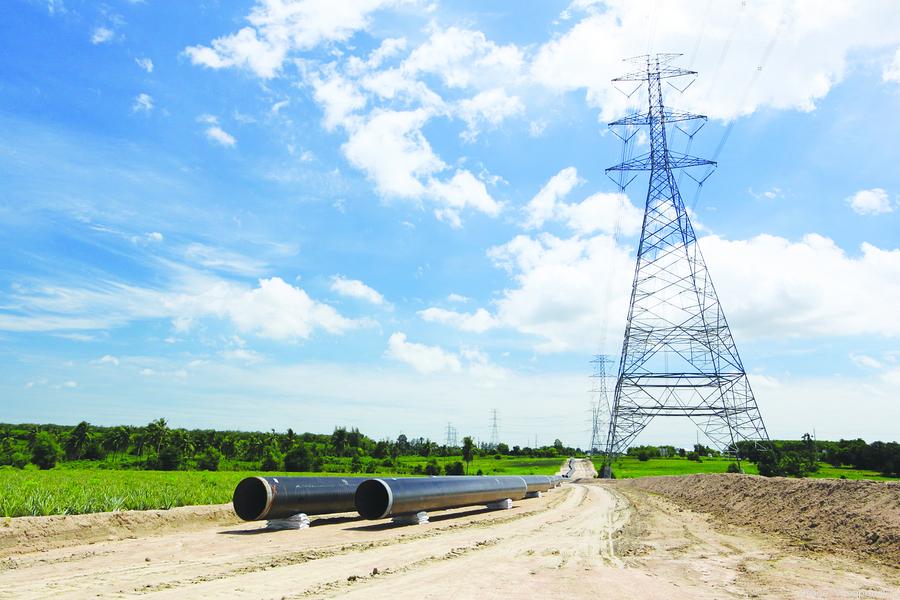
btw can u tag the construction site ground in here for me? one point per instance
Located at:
(585, 539)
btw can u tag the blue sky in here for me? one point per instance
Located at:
(394, 214)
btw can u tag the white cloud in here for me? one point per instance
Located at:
(392, 150)
(221, 259)
(479, 321)
(461, 191)
(809, 287)
(801, 47)
(274, 309)
(102, 35)
(155, 236)
(108, 359)
(605, 212)
(464, 58)
(145, 63)
(891, 71)
(424, 359)
(244, 355)
(870, 202)
(491, 107)
(542, 207)
(142, 103)
(600, 212)
(353, 288)
(458, 298)
(339, 99)
(276, 108)
(220, 136)
(568, 291)
(278, 27)
(571, 292)
(431, 360)
(866, 361)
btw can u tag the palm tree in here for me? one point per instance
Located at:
(157, 432)
(77, 440)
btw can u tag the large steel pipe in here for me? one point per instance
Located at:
(259, 498)
(538, 483)
(380, 498)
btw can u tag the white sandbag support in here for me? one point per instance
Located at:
(298, 521)
(533, 495)
(504, 504)
(419, 518)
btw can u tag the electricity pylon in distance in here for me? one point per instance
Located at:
(599, 403)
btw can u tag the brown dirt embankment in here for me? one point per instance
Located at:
(30, 534)
(861, 518)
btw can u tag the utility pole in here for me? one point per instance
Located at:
(678, 355)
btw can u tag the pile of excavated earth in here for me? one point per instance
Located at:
(861, 518)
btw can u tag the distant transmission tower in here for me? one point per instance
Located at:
(678, 356)
(495, 429)
(599, 403)
(451, 436)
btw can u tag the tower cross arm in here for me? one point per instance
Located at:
(638, 163)
(663, 73)
(669, 116)
(677, 160)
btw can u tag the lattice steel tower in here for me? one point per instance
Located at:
(495, 429)
(599, 402)
(678, 356)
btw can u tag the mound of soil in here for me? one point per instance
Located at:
(857, 517)
(32, 534)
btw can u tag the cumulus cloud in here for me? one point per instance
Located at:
(870, 202)
(762, 65)
(479, 321)
(220, 136)
(542, 207)
(273, 309)
(353, 288)
(142, 103)
(423, 358)
(277, 27)
(102, 35)
(600, 212)
(108, 359)
(431, 360)
(490, 107)
(145, 63)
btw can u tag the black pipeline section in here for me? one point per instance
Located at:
(380, 498)
(260, 498)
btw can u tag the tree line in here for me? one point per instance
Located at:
(159, 446)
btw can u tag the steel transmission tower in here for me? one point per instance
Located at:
(599, 402)
(451, 436)
(495, 429)
(678, 356)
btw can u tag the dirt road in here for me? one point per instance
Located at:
(582, 540)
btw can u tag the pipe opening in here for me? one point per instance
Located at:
(373, 499)
(251, 497)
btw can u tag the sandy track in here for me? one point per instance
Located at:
(582, 540)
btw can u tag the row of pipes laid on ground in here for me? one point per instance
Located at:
(279, 498)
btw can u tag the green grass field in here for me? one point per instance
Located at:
(77, 491)
(629, 468)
